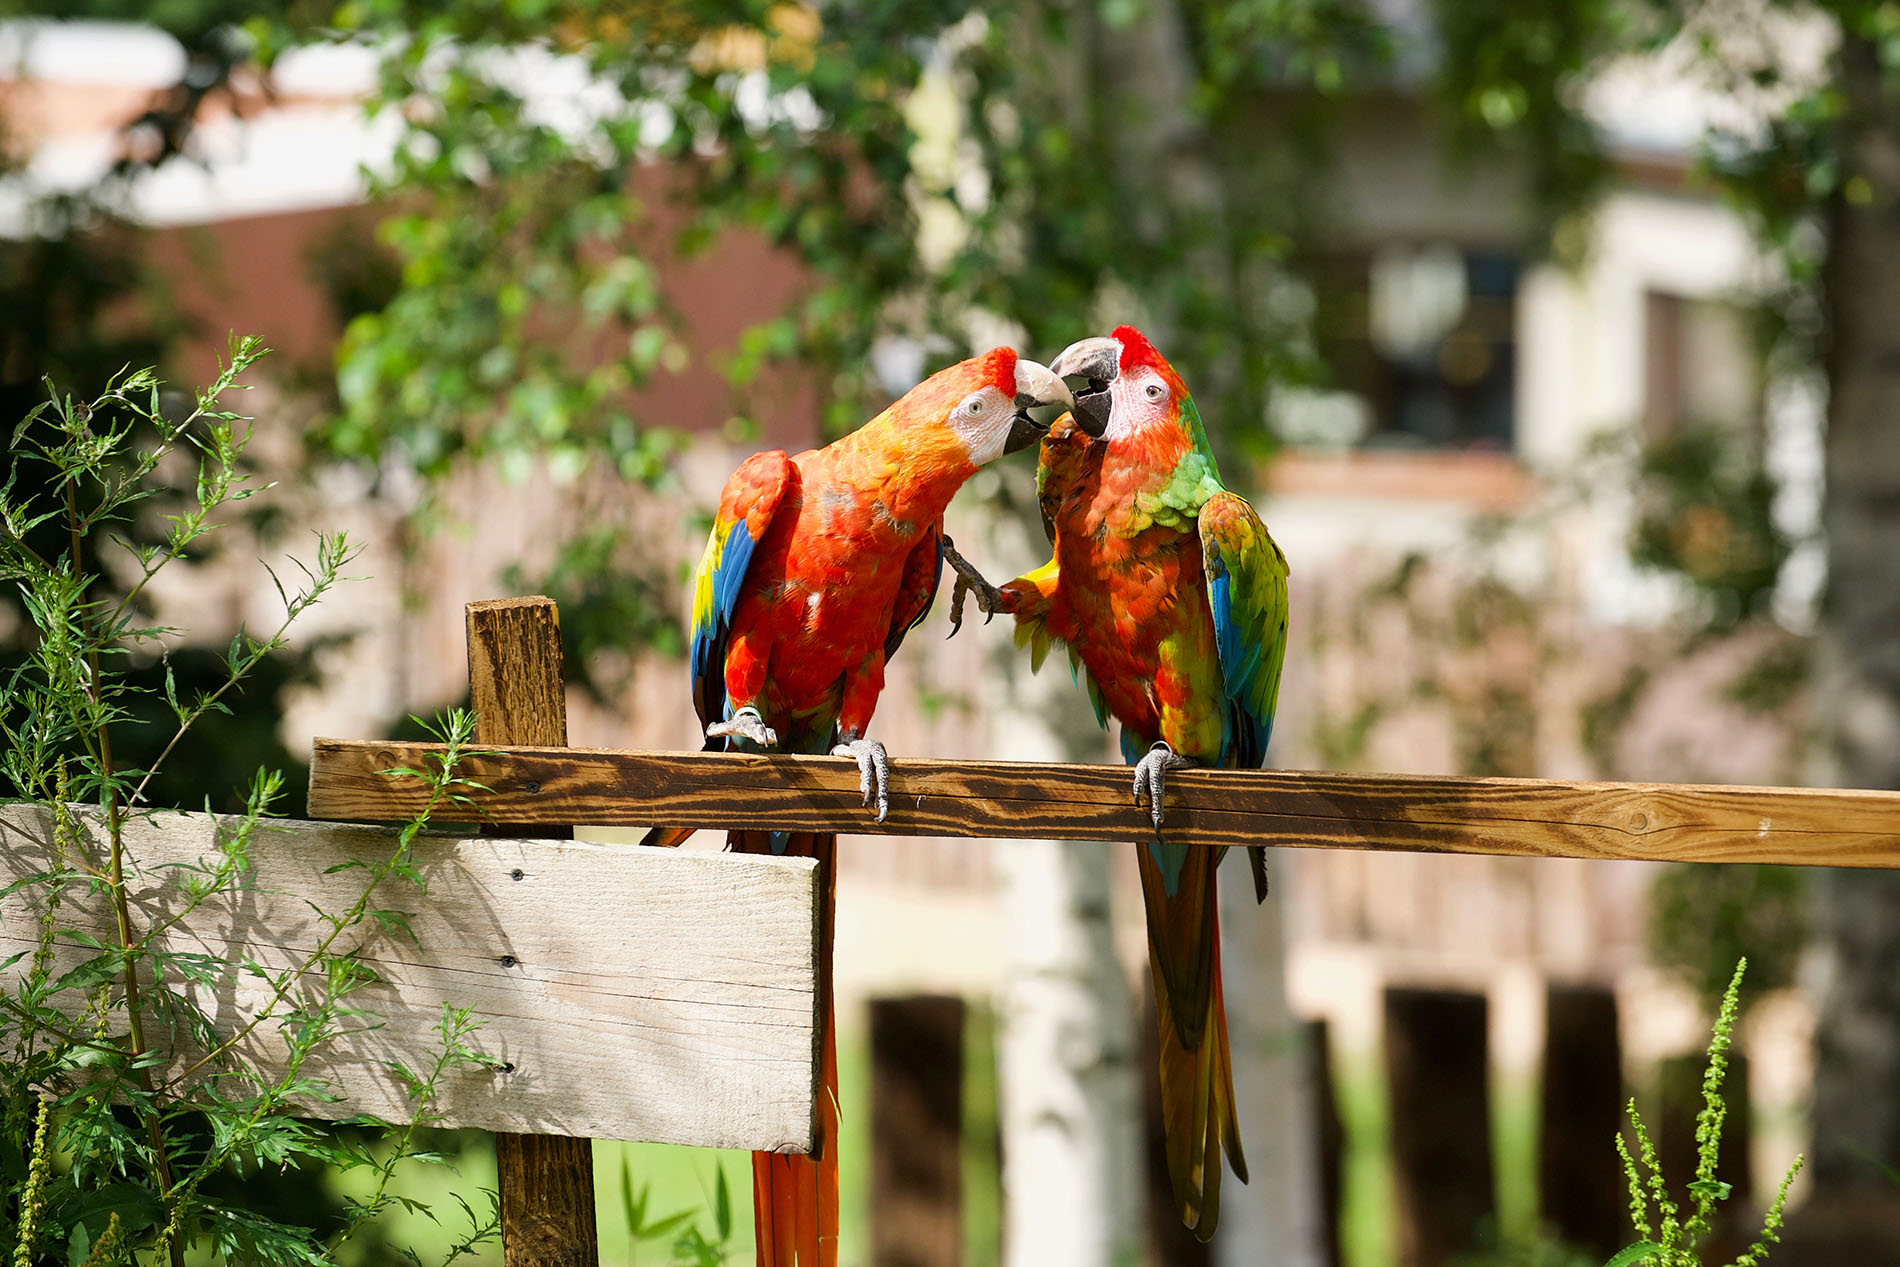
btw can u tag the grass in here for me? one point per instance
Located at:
(682, 1179)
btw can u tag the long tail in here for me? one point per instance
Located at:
(1197, 1077)
(795, 1197)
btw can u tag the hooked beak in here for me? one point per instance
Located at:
(1098, 361)
(1036, 386)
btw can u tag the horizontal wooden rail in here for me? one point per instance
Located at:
(1527, 817)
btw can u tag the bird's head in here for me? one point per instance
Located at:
(1128, 386)
(979, 409)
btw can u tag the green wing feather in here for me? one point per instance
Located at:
(1247, 592)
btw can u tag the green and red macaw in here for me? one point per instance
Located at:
(1172, 599)
(817, 566)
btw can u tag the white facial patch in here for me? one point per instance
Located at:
(1141, 397)
(982, 421)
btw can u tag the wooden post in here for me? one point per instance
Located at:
(1437, 1071)
(516, 687)
(1332, 1139)
(1579, 1180)
(917, 1131)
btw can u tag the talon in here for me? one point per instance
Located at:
(969, 581)
(1151, 777)
(745, 724)
(874, 772)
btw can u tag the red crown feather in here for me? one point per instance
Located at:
(1137, 351)
(998, 366)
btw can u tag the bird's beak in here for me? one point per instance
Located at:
(1036, 386)
(1099, 362)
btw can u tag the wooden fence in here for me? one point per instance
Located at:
(694, 975)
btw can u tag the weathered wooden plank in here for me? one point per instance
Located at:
(1648, 821)
(545, 1183)
(646, 994)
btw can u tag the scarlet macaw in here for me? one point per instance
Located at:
(1172, 597)
(817, 566)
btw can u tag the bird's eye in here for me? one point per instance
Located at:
(1154, 391)
(973, 406)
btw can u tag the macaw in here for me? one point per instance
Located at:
(1172, 600)
(817, 566)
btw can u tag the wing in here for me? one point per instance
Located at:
(1246, 589)
(746, 507)
(923, 568)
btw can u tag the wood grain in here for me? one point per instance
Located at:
(642, 994)
(515, 684)
(1530, 817)
(515, 680)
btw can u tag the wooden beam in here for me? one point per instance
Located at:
(545, 1182)
(1529, 817)
(628, 993)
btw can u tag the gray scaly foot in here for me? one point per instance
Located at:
(745, 724)
(1151, 774)
(874, 771)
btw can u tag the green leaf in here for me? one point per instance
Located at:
(722, 1204)
(1714, 1189)
(1639, 1252)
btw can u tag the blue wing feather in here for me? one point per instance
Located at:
(746, 506)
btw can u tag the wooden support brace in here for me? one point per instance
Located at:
(515, 686)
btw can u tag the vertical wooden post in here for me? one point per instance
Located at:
(1332, 1139)
(515, 686)
(917, 1131)
(1579, 1180)
(1436, 1059)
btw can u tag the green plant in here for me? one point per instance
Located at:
(122, 1106)
(1675, 1241)
(688, 1246)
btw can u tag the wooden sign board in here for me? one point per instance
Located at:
(629, 993)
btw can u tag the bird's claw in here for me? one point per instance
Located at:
(1151, 774)
(874, 771)
(746, 724)
(969, 581)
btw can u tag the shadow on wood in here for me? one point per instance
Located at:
(689, 1018)
(1021, 799)
(1437, 1070)
(917, 1131)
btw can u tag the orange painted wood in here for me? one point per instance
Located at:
(1527, 817)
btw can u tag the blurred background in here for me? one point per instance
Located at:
(1557, 344)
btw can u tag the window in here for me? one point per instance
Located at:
(1423, 338)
